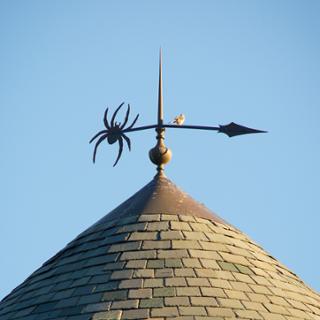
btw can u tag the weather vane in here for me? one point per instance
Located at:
(160, 154)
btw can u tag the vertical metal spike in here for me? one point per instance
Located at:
(160, 154)
(160, 99)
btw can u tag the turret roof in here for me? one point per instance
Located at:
(161, 255)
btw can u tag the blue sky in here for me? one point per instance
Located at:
(252, 62)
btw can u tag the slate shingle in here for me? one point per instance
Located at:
(139, 264)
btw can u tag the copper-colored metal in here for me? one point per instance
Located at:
(160, 97)
(160, 154)
(162, 196)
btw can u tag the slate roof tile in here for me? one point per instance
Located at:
(137, 263)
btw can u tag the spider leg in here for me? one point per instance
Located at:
(127, 140)
(120, 150)
(98, 134)
(115, 113)
(97, 145)
(105, 119)
(133, 123)
(126, 118)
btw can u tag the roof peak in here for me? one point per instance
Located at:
(161, 195)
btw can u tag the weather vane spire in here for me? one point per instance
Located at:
(160, 154)
(160, 97)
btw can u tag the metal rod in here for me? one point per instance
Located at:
(191, 127)
(173, 126)
(152, 126)
(160, 99)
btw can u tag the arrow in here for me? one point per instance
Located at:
(232, 129)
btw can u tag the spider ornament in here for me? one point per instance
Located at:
(114, 132)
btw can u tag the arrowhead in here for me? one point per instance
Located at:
(232, 129)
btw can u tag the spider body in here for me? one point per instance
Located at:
(113, 137)
(114, 132)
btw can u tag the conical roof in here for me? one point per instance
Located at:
(161, 255)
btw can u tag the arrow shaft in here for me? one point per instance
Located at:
(173, 126)
(152, 126)
(231, 129)
(190, 127)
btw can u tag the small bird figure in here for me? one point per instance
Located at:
(179, 120)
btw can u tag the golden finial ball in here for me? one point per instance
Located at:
(160, 155)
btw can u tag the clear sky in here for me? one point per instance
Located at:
(252, 62)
